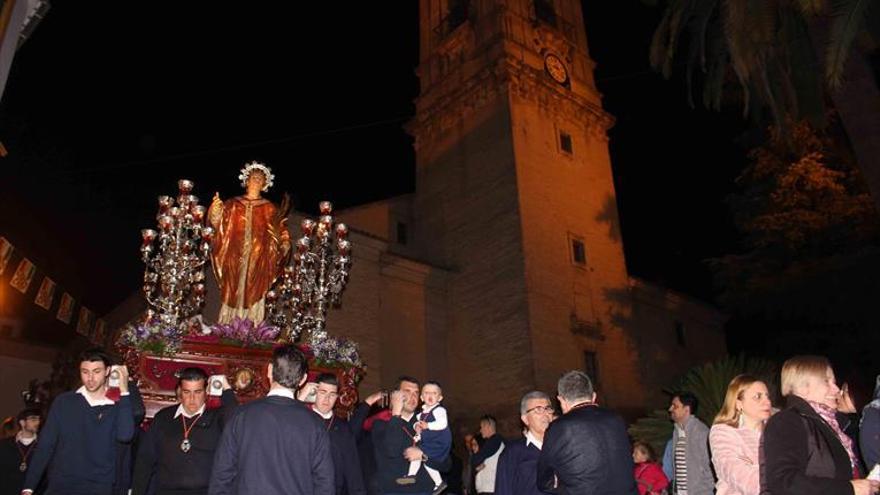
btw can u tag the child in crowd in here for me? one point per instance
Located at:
(649, 476)
(432, 434)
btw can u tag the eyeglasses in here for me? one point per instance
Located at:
(541, 410)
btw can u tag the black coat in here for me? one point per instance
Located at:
(802, 455)
(390, 439)
(273, 446)
(171, 470)
(11, 476)
(587, 451)
(349, 479)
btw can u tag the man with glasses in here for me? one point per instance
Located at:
(587, 449)
(517, 467)
(343, 448)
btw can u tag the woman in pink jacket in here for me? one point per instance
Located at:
(736, 435)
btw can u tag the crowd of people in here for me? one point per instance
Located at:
(293, 442)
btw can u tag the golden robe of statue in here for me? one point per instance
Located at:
(249, 248)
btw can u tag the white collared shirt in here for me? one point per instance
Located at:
(25, 441)
(319, 413)
(530, 439)
(94, 402)
(440, 420)
(281, 392)
(181, 410)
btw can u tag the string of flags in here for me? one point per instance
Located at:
(22, 280)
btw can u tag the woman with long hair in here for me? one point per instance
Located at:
(805, 451)
(735, 436)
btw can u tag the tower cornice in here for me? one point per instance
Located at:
(509, 77)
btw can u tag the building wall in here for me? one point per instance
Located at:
(564, 198)
(466, 219)
(20, 363)
(675, 333)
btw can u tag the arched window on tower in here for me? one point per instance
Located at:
(456, 15)
(545, 12)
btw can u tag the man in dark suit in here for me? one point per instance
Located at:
(275, 445)
(177, 453)
(15, 452)
(395, 447)
(518, 463)
(587, 449)
(325, 390)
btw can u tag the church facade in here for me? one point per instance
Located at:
(505, 267)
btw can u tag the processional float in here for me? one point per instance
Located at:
(272, 291)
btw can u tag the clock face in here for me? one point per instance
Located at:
(556, 68)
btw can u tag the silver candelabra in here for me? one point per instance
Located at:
(313, 280)
(174, 278)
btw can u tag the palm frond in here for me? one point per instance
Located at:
(655, 429)
(810, 7)
(847, 19)
(697, 25)
(708, 383)
(735, 29)
(660, 42)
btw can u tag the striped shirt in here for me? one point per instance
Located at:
(681, 465)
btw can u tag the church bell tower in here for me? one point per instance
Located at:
(515, 197)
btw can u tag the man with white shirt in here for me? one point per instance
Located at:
(176, 455)
(343, 448)
(16, 451)
(275, 445)
(85, 432)
(517, 469)
(485, 460)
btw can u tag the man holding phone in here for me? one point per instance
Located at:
(177, 453)
(85, 433)
(323, 394)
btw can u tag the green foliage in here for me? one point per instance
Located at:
(655, 429)
(847, 18)
(802, 208)
(708, 383)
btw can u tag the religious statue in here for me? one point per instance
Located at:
(250, 245)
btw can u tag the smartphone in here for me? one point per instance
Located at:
(216, 386)
(113, 382)
(385, 401)
(313, 393)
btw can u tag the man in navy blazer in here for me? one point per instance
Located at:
(275, 445)
(587, 449)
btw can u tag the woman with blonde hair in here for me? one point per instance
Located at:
(805, 451)
(735, 436)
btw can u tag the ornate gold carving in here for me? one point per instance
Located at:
(243, 379)
(547, 40)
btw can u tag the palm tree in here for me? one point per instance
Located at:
(788, 56)
(708, 383)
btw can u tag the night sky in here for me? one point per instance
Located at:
(108, 104)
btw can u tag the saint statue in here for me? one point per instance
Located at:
(250, 245)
